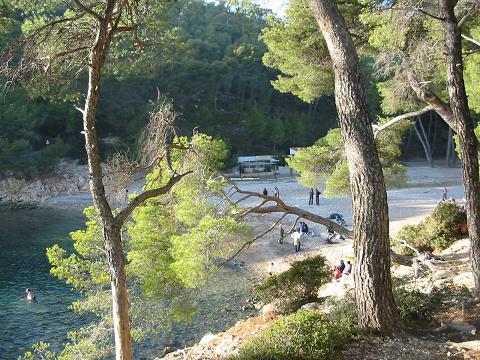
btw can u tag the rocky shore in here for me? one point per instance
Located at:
(68, 178)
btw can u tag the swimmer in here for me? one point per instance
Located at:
(30, 295)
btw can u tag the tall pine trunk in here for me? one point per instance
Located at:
(373, 285)
(465, 131)
(111, 230)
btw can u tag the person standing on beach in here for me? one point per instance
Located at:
(296, 240)
(310, 200)
(276, 192)
(317, 196)
(282, 234)
(444, 194)
(265, 192)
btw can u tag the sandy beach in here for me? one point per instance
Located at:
(407, 205)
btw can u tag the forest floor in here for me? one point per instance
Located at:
(409, 205)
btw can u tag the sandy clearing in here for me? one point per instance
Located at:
(406, 206)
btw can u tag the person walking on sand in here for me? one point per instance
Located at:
(444, 194)
(270, 269)
(317, 196)
(296, 240)
(282, 234)
(310, 200)
(265, 192)
(276, 192)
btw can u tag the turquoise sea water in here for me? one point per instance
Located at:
(24, 236)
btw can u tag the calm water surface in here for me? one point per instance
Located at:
(24, 236)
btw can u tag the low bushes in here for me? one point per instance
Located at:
(436, 232)
(296, 286)
(305, 335)
(415, 305)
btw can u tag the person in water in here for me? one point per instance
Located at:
(30, 295)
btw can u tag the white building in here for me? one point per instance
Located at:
(257, 164)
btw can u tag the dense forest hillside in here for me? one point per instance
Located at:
(211, 66)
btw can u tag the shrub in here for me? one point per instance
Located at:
(344, 312)
(296, 286)
(305, 335)
(415, 305)
(436, 232)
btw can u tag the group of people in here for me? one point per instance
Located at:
(342, 269)
(276, 192)
(445, 199)
(296, 235)
(317, 196)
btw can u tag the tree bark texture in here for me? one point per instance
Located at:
(465, 130)
(373, 285)
(111, 232)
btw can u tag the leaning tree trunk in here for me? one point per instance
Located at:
(373, 284)
(465, 131)
(111, 230)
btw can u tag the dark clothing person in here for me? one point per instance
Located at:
(317, 196)
(282, 234)
(265, 192)
(310, 200)
(341, 267)
(338, 218)
(305, 228)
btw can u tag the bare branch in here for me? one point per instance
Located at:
(120, 29)
(473, 9)
(476, 42)
(250, 242)
(62, 54)
(88, 10)
(253, 209)
(442, 108)
(79, 109)
(157, 139)
(393, 121)
(419, 10)
(138, 200)
(281, 207)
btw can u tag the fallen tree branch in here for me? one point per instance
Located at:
(250, 242)
(284, 208)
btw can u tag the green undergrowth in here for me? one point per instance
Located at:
(436, 232)
(418, 306)
(297, 286)
(304, 335)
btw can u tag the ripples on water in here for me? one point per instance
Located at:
(24, 236)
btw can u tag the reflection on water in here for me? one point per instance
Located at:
(24, 236)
